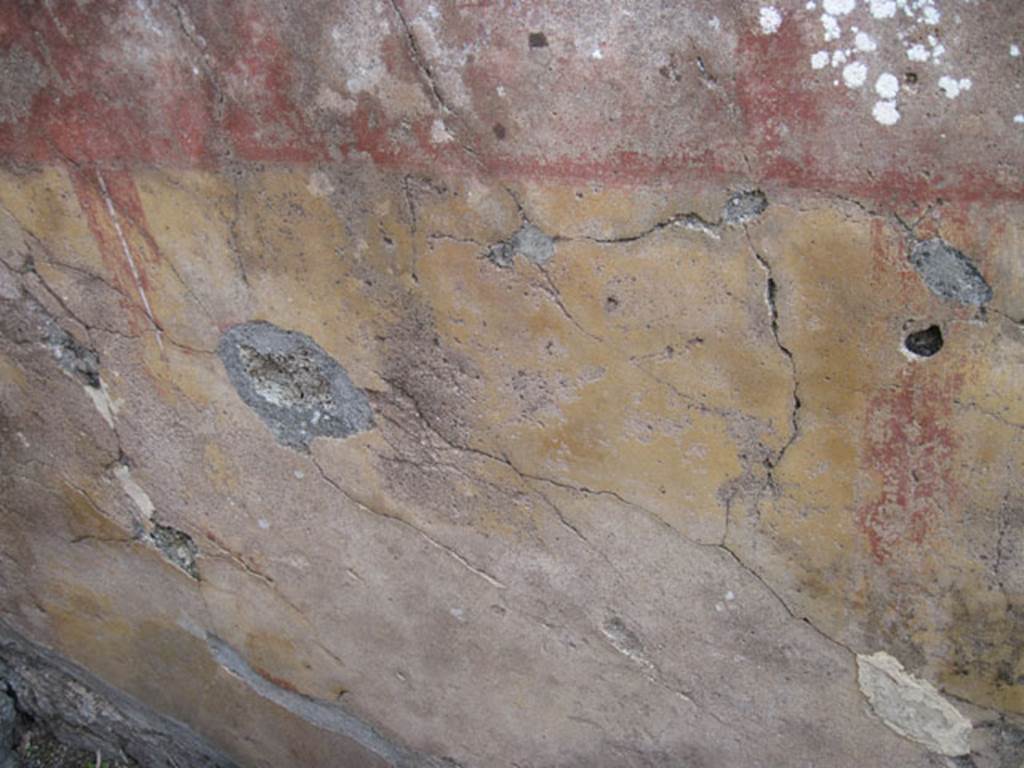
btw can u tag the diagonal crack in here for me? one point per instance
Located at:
(450, 551)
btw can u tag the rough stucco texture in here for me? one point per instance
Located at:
(511, 384)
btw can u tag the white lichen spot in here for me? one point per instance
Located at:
(839, 7)
(885, 112)
(854, 74)
(770, 20)
(953, 87)
(832, 30)
(596, 54)
(1014, 50)
(715, 24)
(838, 57)
(911, 706)
(810, 5)
(918, 52)
(865, 42)
(439, 133)
(1019, 119)
(887, 85)
(819, 60)
(883, 9)
(931, 15)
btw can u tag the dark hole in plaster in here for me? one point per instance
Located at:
(538, 40)
(177, 546)
(924, 343)
(949, 273)
(911, 78)
(500, 131)
(298, 390)
(611, 304)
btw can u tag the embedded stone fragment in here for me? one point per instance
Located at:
(744, 206)
(949, 273)
(298, 390)
(912, 707)
(529, 242)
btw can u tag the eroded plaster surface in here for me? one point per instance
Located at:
(500, 385)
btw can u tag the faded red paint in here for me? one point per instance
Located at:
(910, 445)
(126, 88)
(124, 197)
(262, 120)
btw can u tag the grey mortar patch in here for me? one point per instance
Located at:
(529, 242)
(21, 78)
(744, 206)
(298, 390)
(949, 273)
(177, 546)
(74, 358)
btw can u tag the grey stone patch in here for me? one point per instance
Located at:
(744, 206)
(83, 712)
(21, 78)
(177, 546)
(75, 359)
(949, 273)
(912, 707)
(529, 242)
(298, 390)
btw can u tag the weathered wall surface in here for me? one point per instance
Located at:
(503, 384)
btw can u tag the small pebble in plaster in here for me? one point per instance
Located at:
(819, 60)
(744, 206)
(596, 54)
(887, 85)
(177, 546)
(885, 112)
(770, 20)
(883, 9)
(1018, 118)
(529, 242)
(1014, 50)
(854, 74)
(730, 596)
(263, 524)
(865, 42)
(953, 87)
